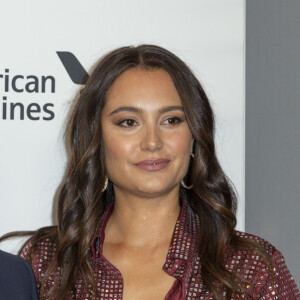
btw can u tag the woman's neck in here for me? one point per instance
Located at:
(142, 222)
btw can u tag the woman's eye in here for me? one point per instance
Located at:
(172, 121)
(127, 123)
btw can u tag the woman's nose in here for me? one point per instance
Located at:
(151, 140)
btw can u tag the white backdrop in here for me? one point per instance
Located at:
(207, 35)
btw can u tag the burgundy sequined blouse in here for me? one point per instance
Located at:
(182, 262)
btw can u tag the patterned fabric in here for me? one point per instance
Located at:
(182, 262)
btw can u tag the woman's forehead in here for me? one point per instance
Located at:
(143, 88)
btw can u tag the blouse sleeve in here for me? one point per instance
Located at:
(284, 286)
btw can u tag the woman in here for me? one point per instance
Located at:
(144, 210)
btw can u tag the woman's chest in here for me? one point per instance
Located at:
(145, 282)
(146, 286)
(141, 273)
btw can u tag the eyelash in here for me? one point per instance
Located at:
(176, 119)
(125, 121)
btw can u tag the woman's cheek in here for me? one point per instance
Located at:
(117, 152)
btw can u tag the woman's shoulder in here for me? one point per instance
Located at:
(43, 249)
(248, 254)
(263, 266)
(267, 246)
(255, 252)
(39, 252)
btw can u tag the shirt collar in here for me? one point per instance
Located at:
(184, 242)
(97, 243)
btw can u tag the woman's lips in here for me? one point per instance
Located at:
(153, 165)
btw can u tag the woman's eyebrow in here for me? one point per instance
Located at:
(126, 108)
(170, 108)
(139, 110)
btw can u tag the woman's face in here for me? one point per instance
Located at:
(147, 141)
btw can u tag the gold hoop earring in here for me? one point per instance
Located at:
(188, 187)
(105, 184)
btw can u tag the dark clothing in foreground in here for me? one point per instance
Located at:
(182, 262)
(17, 281)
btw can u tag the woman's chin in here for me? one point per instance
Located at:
(154, 190)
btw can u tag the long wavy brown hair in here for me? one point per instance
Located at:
(81, 202)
